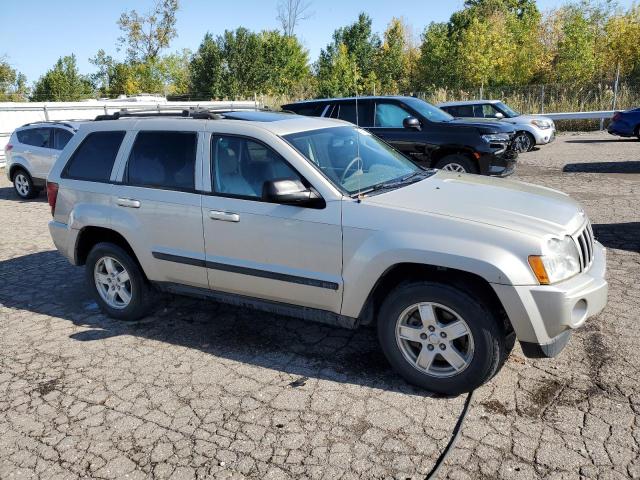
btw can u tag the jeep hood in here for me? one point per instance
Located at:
(510, 204)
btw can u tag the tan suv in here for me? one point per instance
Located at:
(319, 219)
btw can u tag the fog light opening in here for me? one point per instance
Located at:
(579, 312)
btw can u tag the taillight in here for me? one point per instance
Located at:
(616, 116)
(52, 195)
(8, 147)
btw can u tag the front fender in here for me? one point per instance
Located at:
(369, 254)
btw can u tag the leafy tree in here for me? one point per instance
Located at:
(62, 83)
(13, 84)
(575, 61)
(435, 65)
(207, 70)
(623, 54)
(338, 75)
(392, 59)
(145, 36)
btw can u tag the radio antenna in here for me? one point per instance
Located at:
(359, 171)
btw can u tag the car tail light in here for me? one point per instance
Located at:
(8, 147)
(52, 195)
(616, 116)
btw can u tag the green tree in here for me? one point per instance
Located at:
(63, 83)
(436, 63)
(338, 75)
(392, 60)
(575, 60)
(13, 84)
(146, 35)
(207, 70)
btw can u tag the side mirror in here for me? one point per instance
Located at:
(412, 122)
(499, 116)
(287, 191)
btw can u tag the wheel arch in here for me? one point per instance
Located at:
(440, 153)
(19, 164)
(92, 235)
(410, 272)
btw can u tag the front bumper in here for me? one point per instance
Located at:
(544, 136)
(501, 164)
(543, 316)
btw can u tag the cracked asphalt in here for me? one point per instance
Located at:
(203, 390)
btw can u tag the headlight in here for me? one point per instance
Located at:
(543, 124)
(559, 261)
(496, 137)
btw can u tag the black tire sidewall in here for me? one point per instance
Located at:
(33, 191)
(488, 337)
(140, 291)
(463, 160)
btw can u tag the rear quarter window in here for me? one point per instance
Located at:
(93, 160)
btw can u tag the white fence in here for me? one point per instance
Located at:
(15, 114)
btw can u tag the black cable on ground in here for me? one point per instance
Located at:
(454, 438)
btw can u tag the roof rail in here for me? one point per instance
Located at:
(56, 122)
(198, 113)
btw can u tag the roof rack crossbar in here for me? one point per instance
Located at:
(197, 112)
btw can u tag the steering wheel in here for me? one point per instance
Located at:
(346, 170)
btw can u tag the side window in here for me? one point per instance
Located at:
(93, 159)
(314, 110)
(464, 111)
(241, 166)
(347, 111)
(36, 137)
(390, 115)
(61, 138)
(163, 159)
(489, 111)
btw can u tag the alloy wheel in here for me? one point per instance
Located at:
(112, 282)
(522, 143)
(454, 167)
(434, 339)
(21, 183)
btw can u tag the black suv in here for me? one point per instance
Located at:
(426, 134)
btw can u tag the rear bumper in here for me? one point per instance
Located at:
(620, 129)
(64, 238)
(544, 316)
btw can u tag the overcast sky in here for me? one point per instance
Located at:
(35, 33)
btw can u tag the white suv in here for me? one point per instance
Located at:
(316, 218)
(31, 152)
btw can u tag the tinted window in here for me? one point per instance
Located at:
(313, 110)
(347, 111)
(93, 160)
(241, 166)
(461, 111)
(163, 160)
(61, 138)
(37, 137)
(389, 115)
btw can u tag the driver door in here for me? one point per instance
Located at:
(281, 253)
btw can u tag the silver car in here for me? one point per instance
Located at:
(531, 130)
(318, 219)
(31, 152)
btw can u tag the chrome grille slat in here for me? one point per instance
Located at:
(584, 241)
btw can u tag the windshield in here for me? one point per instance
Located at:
(335, 152)
(427, 110)
(509, 112)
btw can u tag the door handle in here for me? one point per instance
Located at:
(128, 202)
(224, 216)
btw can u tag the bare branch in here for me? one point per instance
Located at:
(291, 13)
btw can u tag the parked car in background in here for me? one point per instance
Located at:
(625, 124)
(531, 130)
(424, 133)
(450, 268)
(31, 152)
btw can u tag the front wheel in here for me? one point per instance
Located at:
(440, 338)
(457, 163)
(523, 142)
(118, 283)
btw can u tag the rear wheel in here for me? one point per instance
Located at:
(118, 283)
(523, 142)
(457, 162)
(441, 338)
(23, 184)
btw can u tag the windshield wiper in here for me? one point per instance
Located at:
(398, 182)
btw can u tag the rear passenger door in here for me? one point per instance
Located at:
(157, 206)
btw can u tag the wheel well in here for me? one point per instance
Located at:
(410, 272)
(441, 153)
(90, 236)
(15, 168)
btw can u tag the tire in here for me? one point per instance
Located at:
(479, 352)
(523, 142)
(23, 184)
(457, 162)
(136, 287)
(638, 132)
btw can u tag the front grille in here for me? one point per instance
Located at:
(584, 242)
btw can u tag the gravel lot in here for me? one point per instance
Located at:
(210, 391)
